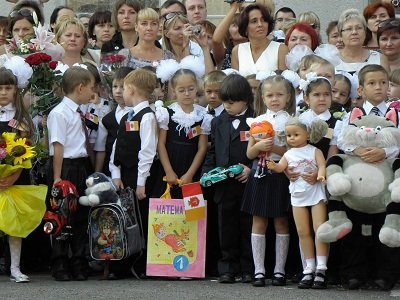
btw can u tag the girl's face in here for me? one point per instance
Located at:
(353, 33)
(126, 17)
(275, 96)
(257, 27)
(72, 39)
(104, 32)
(326, 71)
(389, 43)
(22, 28)
(378, 16)
(185, 90)
(335, 39)
(7, 94)
(299, 38)
(319, 99)
(296, 136)
(118, 91)
(3, 35)
(147, 29)
(394, 90)
(254, 83)
(340, 92)
(175, 32)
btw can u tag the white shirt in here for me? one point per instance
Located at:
(65, 127)
(7, 112)
(148, 140)
(218, 110)
(100, 144)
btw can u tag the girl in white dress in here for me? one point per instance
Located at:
(304, 157)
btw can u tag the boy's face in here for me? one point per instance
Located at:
(375, 87)
(118, 91)
(86, 92)
(234, 108)
(211, 92)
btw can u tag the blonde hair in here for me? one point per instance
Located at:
(310, 60)
(75, 76)
(147, 14)
(350, 14)
(310, 17)
(63, 24)
(214, 77)
(143, 80)
(394, 76)
(168, 24)
(317, 129)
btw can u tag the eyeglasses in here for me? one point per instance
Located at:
(352, 29)
(189, 90)
(22, 12)
(170, 15)
(391, 22)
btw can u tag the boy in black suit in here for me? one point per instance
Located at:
(228, 147)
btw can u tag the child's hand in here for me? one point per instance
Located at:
(271, 165)
(140, 192)
(242, 177)
(264, 144)
(8, 181)
(291, 175)
(370, 154)
(310, 177)
(118, 183)
(185, 179)
(321, 179)
(171, 178)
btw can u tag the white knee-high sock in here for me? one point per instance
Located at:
(15, 253)
(303, 259)
(281, 252)
(258, 247)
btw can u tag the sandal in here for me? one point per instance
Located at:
(319, 284)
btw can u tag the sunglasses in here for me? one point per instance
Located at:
(22, 12)
(391, 22)
(170, 15)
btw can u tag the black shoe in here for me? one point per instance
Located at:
(383, 284)
(80, 277)
(246, 278)
(354, 283)
(61, 276)
(226, 278)
(279, 280)
(259, 282)
(319, 284)
(297, 277)
(306, 282)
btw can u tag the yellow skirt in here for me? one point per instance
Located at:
(21, 209)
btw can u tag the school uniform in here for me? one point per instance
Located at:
(65, 127)
(227, 148)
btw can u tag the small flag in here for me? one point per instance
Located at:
(92, 117)
(244, 136)
(193, 132)
(195, 206)
(132, 126)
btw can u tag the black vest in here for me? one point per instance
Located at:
(128, 143)
(111, 124)
(323, 144)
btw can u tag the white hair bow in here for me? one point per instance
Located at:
(168, 67)
(294, 57)
(310, 77)
(353, 82)
(289, 75)
(328, 52)
(230, 71)
(61, 68)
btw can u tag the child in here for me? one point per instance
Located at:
(24, 210)
(109, 125)
(135, 146)
(394, 87)
(184, 126)
(268, 196)
(254, 84)
(304, 157)
(341, 100)
(228, 147)
(68, 150)
(212, 85)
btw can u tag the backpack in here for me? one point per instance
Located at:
(115, 231)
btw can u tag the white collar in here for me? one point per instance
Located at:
(381, 106)
(325, 116)
(186, 120)
(8, 107)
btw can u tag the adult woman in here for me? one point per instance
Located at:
(176, 38)
(374, 13)
(301, 34)
(259, 53)
(146, 53)
(311, 18)
(3, 29)
(354, 56)
(71, 35)
(333, 35)
(33, 6)
(389, 41)
(59, 12)
(100, 28)
(124, 19)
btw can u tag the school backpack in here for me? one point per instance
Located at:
(115, 231)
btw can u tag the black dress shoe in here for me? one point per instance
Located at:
(383, 284)
(247, 278)
(279, 280)
(61, 276)
(320, 284)
(306, 282)
(226, 278)
(354, 283)
(259, 282)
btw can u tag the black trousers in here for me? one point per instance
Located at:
(76, 171)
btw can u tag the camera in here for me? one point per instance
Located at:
(196, 29)
(240, 1)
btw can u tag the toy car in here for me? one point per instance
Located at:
(218, 174)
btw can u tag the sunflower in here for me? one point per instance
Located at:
(9, 137)
(19, 150)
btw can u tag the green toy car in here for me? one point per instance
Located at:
(218, 174)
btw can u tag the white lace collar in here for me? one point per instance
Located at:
(186, 120)
(325, 116)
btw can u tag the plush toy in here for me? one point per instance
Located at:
(100, 190)
(368, 192)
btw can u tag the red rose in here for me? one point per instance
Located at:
(53, 65)
(33, 59)
(44, 57)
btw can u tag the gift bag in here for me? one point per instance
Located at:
(176, 247)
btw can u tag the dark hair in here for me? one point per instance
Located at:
(15, 19)
(121, 73)
(73, 77)
(244, 18)
(369, 11)
(236, 88)
(369, 69)
(392, 24)
(93, 69)
(331, 25)
(315, 83)
(117, 5)
(54, 14)
(169, 3)
(4, 22)
(31, 4)
(22, 116)
(99, 17)
(181, 72)
(286, 10)
(306, 28)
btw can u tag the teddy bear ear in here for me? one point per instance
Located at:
(392, 115)
(356, 113)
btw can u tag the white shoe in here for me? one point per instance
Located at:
(19, 278)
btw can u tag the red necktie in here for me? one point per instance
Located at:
(89, 148)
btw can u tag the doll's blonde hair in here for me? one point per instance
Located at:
(316, 129)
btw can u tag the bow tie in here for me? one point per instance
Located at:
(240, 118)
(211, 112)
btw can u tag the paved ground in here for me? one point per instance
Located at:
(43, 287)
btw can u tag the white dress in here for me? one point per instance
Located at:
(373, 58)
(268, 61)
(302, 193)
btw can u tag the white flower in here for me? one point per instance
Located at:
(261, 75)
(61, 68)
(22, 70)
(43, 38)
